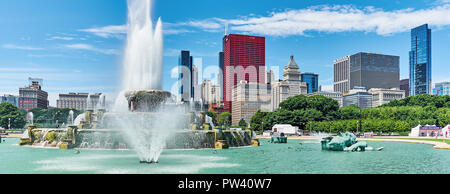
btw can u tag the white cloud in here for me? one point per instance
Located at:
(92, 48)
(18, 47)
(60, 38)
(332, 19)
(108, 31)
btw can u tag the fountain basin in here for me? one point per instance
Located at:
(114, 139)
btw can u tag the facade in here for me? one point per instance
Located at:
(78, 101)
(404, 85)
(10, 98)
(359, 97)
(270, 77)
(210, 93)
(442, 89)
(185, 76)
(290, 86)
(382, 96)
(244, 59)
(368, 70)
(33, 96)
(312, 82)
(334, 95)
(248, 98)
(420, 61)
(220, 76)
(196, 88)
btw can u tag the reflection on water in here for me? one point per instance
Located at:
(291, 158)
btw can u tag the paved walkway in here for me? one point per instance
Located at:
(12, 136)
(437, 145)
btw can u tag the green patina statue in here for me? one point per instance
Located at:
(345, 142)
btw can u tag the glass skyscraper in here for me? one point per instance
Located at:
(420, 61)
(185, 76)
(312, 81)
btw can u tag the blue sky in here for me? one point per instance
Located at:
(77, 45)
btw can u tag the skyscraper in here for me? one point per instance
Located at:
(248, 98)
(220, 76)
(367, 70)
(244, 60)
(420, 61)
(185, 77)
(312, 82)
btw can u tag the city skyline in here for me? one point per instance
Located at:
(83, 53)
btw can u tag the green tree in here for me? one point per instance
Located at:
(323, 104)
(349, 112)
(299, 102)
(9, 113)
(225, 119)
(256, 121)
(243, 123)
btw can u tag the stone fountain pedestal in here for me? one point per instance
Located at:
(146, 100)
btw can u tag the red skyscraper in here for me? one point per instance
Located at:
(244, 59)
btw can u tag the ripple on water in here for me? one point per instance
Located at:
(128, 164)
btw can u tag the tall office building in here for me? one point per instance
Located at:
(196, 87)
(33, 96)
(290, 86)
(312, 82)
(404, 85)
(368, 70)
(270, 77)
(185, 77)
(442, 89)
(220, 76)
(210, 93)
(248, 98)
(420, 61)
(244, 60)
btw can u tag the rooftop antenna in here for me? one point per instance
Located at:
(226, 29)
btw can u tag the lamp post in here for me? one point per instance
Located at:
(330, 127)
(9, 123)
(357, 127)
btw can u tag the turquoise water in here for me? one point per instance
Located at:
(291, 158)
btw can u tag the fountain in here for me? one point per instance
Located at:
(30, 118)
(70, 118)
(144, 117)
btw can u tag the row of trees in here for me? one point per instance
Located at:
(10, 114)
(320, 113)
